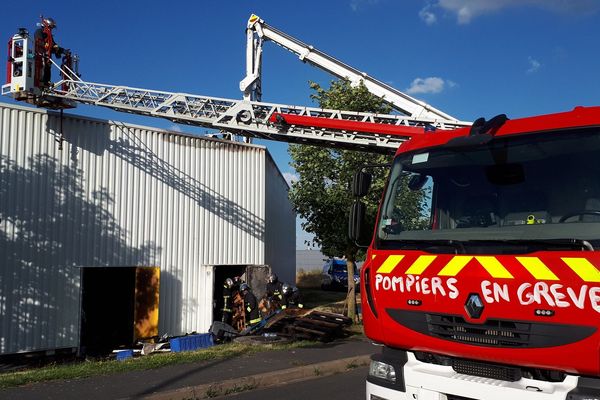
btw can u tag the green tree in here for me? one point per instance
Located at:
(321, 196)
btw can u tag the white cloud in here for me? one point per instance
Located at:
(466, 10)
(175, 128)
(534, 65)
(428, 85)
(427, 15)
(290, 177)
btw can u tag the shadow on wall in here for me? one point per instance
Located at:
(172, 296)
(134, 151)
(49, 226)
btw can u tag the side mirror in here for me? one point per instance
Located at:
(356, 223)
(361, 183)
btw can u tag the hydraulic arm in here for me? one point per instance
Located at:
(258, 32)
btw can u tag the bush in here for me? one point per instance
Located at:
(308, 279)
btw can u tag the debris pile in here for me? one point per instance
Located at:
(279, 327)
(291, 324)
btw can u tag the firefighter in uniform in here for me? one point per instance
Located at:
(227, 300)
(45, 48)
(291, 297)
(250, 305)
(237, 281)
(274, 293)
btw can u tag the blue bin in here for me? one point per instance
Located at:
(191, 342)
(124, 355)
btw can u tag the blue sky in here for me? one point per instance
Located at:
(469, 58)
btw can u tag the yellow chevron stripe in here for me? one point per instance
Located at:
(493, 267)
(456, 264)
(389, 264)
(583, 268)
(420, 265)
(537, 268)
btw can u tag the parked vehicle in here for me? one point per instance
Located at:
(494, 292)
(335, 275)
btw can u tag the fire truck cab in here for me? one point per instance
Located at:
(490, 287)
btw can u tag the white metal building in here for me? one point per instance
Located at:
(119, 195)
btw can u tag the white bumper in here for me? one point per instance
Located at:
(434, 382)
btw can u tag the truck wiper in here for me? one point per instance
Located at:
(458, 246)
(570, 242)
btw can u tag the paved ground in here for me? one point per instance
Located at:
(345, 386)
(139, 384)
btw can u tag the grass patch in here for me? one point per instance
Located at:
(356, 329)
(308, 279)
(239, 389)
(328, 301)
(86, 369)
(317, 298)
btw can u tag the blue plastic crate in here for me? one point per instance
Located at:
(191, 342)
(124, 355)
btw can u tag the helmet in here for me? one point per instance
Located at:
(286, 288)
(229, 283)
(237, 280)
(49, 22)
(244, 286)
(273, 278)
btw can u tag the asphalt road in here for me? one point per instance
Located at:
(347, 386)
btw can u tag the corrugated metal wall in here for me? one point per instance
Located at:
(118, 195)
(280, 251)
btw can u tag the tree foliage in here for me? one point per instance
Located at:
(321, 196)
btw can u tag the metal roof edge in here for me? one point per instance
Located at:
(130, 125)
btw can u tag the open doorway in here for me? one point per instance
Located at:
(119, 305)
(254, 275)
(222, 272)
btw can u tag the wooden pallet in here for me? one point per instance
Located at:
(309, 325)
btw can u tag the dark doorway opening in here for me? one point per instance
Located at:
(222, 272)
(107, 305)
(254, 275)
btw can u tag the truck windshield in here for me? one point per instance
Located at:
(534, 191)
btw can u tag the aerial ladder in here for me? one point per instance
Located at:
(378, 133)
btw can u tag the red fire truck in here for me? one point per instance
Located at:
(491, 290)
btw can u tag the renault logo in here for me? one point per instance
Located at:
(474, 306)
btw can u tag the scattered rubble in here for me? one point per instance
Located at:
(281, 326)
(291, 324)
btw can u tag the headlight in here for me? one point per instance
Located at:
(383, 371)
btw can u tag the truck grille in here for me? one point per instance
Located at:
(492, 332)
(490, 370)
(486, 370)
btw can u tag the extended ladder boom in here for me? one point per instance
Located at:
(258, 31)
(350, 130)
(377, 133)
